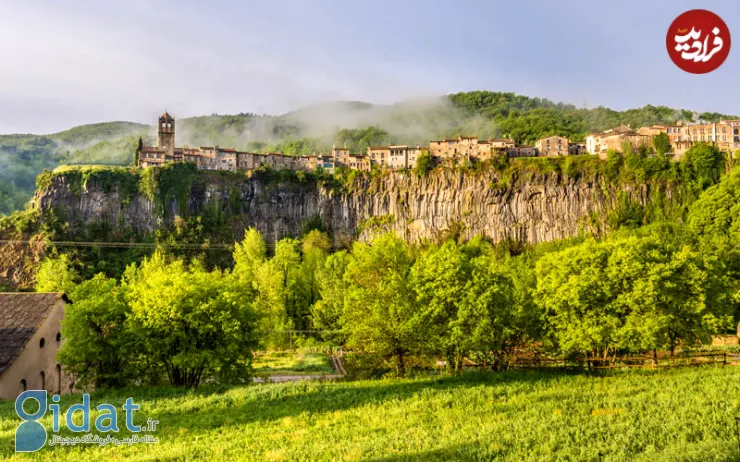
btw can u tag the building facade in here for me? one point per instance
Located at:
(552, 146)
(30, 336)
(724, 134)
(600, 144)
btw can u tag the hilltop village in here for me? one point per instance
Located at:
(724, 134)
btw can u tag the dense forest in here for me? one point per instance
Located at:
(315, 129)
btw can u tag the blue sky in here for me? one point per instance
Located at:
(73, 62)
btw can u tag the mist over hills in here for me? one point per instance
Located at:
(316, 128)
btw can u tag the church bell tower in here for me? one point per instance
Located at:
(166, 135)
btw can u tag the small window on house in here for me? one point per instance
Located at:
(42, 342)
(59, 336)
(24, 385)
(42, 377)
(58, 377)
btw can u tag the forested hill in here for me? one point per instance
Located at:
(316, 128)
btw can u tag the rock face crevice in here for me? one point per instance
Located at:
(543, 208)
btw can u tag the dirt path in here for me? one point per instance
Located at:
(293, 378)
(336, 364)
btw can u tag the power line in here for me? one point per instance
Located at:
(136, 245)
(127, 245)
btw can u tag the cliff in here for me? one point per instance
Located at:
(528, 207)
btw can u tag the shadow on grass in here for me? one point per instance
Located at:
(478, 451)
(473, 451)
(209, 408)
(275, 402)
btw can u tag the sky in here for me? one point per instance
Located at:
(68, 63)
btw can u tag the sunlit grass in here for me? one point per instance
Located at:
(291, 363)
(683, 414)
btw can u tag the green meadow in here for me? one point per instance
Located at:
(680, 414)
(290, 363)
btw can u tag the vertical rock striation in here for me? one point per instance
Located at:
(545, 207)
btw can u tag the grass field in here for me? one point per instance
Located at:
(290, 363)
(682, 414)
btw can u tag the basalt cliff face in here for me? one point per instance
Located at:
(444, 203)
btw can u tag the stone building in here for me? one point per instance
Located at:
(462, 147)
(343, 158)
(552, 146)
(30, 336)
(166, 134)
(615, 139)
(577, 149)
(522, 151)
(379, 155)
(724, 134)
(398, 156)
(413, 154)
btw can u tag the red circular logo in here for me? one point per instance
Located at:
(698, 41)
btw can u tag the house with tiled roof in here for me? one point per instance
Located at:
(30, 336)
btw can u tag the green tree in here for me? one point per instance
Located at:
(137, 153)
(56, 274)
(327, 312)
(249, 255)
(424, 164)
(196, 324)
(380, 308)
(315, 248)
(98, 348)
(438, 279)
(662, 144)
(629, 294)
(706, 164)
(716, 214)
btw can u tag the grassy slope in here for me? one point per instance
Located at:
(685, 414)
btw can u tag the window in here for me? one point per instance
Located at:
(58, 371)
(42, 377)
(24, 385)
(42, 342)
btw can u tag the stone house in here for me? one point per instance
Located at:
(552, 146)
(379, 155)
(361, 163)
(522, 151)
(398, 156)
(576, 149)
(413, 155)
(30, 336)
(614, 139)
(460, 147)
